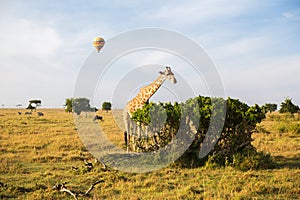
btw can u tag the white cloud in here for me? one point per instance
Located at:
(292, 14)
(240, 47)
(264, 78)
(41, 53)
(25, 37)
(48, 45)
(195, 12)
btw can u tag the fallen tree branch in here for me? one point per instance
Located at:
(62, 188)
(93, 186)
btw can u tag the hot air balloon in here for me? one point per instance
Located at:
(98, 43)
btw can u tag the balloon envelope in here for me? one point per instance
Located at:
(98, 43)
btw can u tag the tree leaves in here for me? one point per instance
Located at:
(240, 123)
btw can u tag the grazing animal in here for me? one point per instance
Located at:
(19, 113)
(97, 117)
(143, 97)
(40, 114)
(28, 113)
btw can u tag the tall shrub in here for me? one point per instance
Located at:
(233, 145)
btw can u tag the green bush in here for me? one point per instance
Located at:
(288, 107)
(106, 106)
(233, 146)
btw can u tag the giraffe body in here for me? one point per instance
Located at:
(143, 97)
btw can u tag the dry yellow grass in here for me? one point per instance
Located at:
(279, 135)
(113, 124)
(38, 152)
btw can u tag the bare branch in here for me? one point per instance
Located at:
(92, 186)
(62, 188)
(69, 191)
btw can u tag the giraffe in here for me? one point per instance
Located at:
(143, 97)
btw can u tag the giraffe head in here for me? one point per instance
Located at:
(167, 74)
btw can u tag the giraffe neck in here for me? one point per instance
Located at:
(148, 91)
(144, 95)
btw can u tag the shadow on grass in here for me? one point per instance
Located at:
(284, 162)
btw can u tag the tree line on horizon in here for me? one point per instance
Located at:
(83, 104)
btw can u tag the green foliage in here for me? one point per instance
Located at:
(69, 105)
(106, 106)
(240, 123)
(235, 137)
(82, 105)
(288, 106)
(162, 120)
(270, 107)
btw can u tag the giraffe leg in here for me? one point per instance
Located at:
(134, 134)
(146, 136)
(139, 130)
(127, 120)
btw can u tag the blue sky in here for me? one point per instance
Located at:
(254, 44)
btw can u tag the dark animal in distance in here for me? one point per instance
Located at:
(97, 117)
(19, 113)
(28, 113)
(40, 114)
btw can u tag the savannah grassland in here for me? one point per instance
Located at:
(37, 153)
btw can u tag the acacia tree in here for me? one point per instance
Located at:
(33, 104)
(78, 105)
(81, 105)
(288, 106)
(106, 106)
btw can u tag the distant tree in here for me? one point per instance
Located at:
(288, 106)
(69, 105)
(33, 104)
(106, 106)
(81, 105)
(271, 107)
(78, 105)
(18, 105)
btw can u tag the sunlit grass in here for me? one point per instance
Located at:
(284, 146)
(38, 152)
